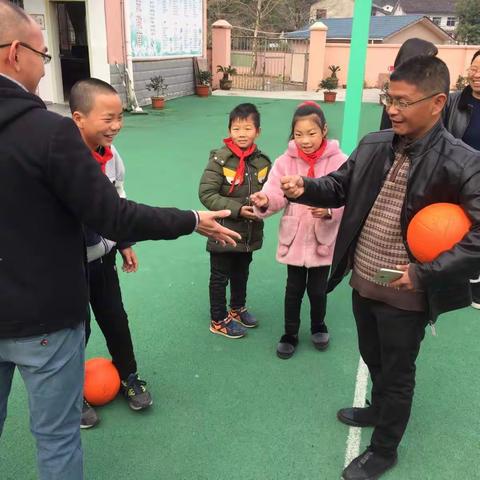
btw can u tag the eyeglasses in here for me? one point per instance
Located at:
(473, 71)
(388, 101)
(45, 56)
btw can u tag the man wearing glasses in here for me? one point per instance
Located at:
(49, 186)
(390, 177)
(462, 120)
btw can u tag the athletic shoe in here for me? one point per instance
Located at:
(228, 328)
(475, 287)
(358, 417)
(369, 466)
(135, 392)
(244, 317)
(89, 416)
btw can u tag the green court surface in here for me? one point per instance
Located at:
(228, 409)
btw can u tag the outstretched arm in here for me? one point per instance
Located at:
(330, 191)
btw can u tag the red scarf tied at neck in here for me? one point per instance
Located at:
(103, 159)
(242, 155)
(312, 158)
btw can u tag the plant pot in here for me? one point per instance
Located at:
(329, 97)
(158, 103)
(202, 90)
(225, 84)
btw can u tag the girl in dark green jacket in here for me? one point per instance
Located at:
(233, 173)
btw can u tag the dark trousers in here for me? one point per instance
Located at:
(107, 306)
(228, 267)
(315, 281)
(389, 341)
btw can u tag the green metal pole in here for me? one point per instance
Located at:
(356, 74)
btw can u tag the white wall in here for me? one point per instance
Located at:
(50, 88)
(46, 87)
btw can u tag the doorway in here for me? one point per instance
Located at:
(73, 43)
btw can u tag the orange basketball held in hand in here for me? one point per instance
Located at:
(102, 381)
(436, 229)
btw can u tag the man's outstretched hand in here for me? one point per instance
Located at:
(292, 186)
(209, 227)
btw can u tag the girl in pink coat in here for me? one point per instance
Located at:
(306, 237)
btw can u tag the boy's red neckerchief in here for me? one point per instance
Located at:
(242, 155)
(103, 159)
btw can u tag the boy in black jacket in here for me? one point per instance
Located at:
(97, 111)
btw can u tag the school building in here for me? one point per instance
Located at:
(115, 39)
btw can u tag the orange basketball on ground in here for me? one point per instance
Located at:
(436, 229)
(102, 381)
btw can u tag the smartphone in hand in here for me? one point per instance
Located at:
(387, 275)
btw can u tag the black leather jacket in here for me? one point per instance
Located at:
(458, 111)
(443, 169)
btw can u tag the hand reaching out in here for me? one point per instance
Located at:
(209, 227)
(292, 186)
(259, 199)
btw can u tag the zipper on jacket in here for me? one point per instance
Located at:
(249, 222)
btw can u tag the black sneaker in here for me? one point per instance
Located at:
(368, 466)
(89, 416)
(475, 288)
(135, 392)
(358, 417)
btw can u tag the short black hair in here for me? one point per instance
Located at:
(243, 112)
(428, 74)
(413, 47)
(82, 94)
(475, 55)
(305, 110)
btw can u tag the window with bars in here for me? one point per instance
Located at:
(451, 21)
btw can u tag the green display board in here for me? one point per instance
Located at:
(166, 28)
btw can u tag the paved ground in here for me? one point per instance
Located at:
(231, 410)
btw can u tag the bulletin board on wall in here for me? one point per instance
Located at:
(166, 28)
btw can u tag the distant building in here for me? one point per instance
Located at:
(440, 12)
(383, 29)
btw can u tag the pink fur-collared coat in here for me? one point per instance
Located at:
(303, 241)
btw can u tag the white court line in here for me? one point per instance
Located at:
(355, 433)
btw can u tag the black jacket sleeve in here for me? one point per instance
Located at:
(462, 261)
(79, 183)
(330, 191)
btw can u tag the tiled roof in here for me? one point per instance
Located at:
(380, 27)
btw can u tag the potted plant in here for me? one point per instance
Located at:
(158, 86)
(329, 84)
(334, 69)
(225, 82)
(203, 88)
